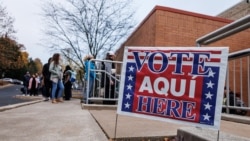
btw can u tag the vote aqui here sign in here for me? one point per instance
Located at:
(175, 84)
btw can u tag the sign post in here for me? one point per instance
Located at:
(178, 84)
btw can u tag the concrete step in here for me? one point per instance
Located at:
(204, 134)
(236, 118)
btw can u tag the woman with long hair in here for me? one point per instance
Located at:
(56, 77)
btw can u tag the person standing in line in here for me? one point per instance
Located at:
(38, 79)
(46, 80)
(67, 83)
(109, 81)
(90, 76)
(26, 79)
(33, 85)
(56, 77)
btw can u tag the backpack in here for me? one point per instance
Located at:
(72, 78)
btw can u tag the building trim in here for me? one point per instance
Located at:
(188, 13)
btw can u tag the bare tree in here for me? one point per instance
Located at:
(87, 26)
(6, 22)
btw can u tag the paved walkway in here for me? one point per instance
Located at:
(50, 122)
(138, 127)
(68, 122)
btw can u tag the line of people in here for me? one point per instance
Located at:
(57, 81)
(54, 81)
(107, 81)
(32, 84)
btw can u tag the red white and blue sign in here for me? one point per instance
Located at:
(177, 84)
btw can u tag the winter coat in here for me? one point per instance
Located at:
(91, 65)
(56, 71)
(30, 83)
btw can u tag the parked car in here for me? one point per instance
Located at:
(9, 80)
(19, 82)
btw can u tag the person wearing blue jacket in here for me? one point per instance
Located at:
(90, 76)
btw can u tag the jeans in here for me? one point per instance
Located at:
(60, 88)
(88, 88)
(25, 88)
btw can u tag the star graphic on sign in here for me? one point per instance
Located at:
(211, 73)
(210, 84)
(209, 95)
(130, 77)
(129, 87)
(206, 117)
(128, 96)
(131, 68)
(207, 106)
(127, 105)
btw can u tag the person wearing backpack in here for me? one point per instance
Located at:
(89, 77)
(67, 82)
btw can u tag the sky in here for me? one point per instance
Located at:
(29, 24)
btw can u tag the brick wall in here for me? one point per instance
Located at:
(239, 10)
(171, 27)
(144, 35)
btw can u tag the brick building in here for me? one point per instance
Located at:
(172, 27)
(237, 11)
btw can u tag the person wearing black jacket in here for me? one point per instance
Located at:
(108, 81)
(26, 79)
(67, 83)
(46, 79)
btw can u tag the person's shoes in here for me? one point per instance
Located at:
(54, 101)
(46, 99)
(59, 100)
(83, 101)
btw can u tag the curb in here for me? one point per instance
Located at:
(5, 86)
(235, 118)
(9, 107)
(205, 134)
(98, 107)
(161, 138)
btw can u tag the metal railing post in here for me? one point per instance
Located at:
(99, 73)
(87, 88)
(227, 94)
(248, 81)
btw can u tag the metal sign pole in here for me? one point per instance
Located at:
(218, 135)
(116, 120)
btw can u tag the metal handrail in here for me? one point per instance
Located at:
(234, 56)
(238, 54)
(106, 74)
(225, 31)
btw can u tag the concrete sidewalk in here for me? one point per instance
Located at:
(50, 122)
(66, 121)
(132, 127)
